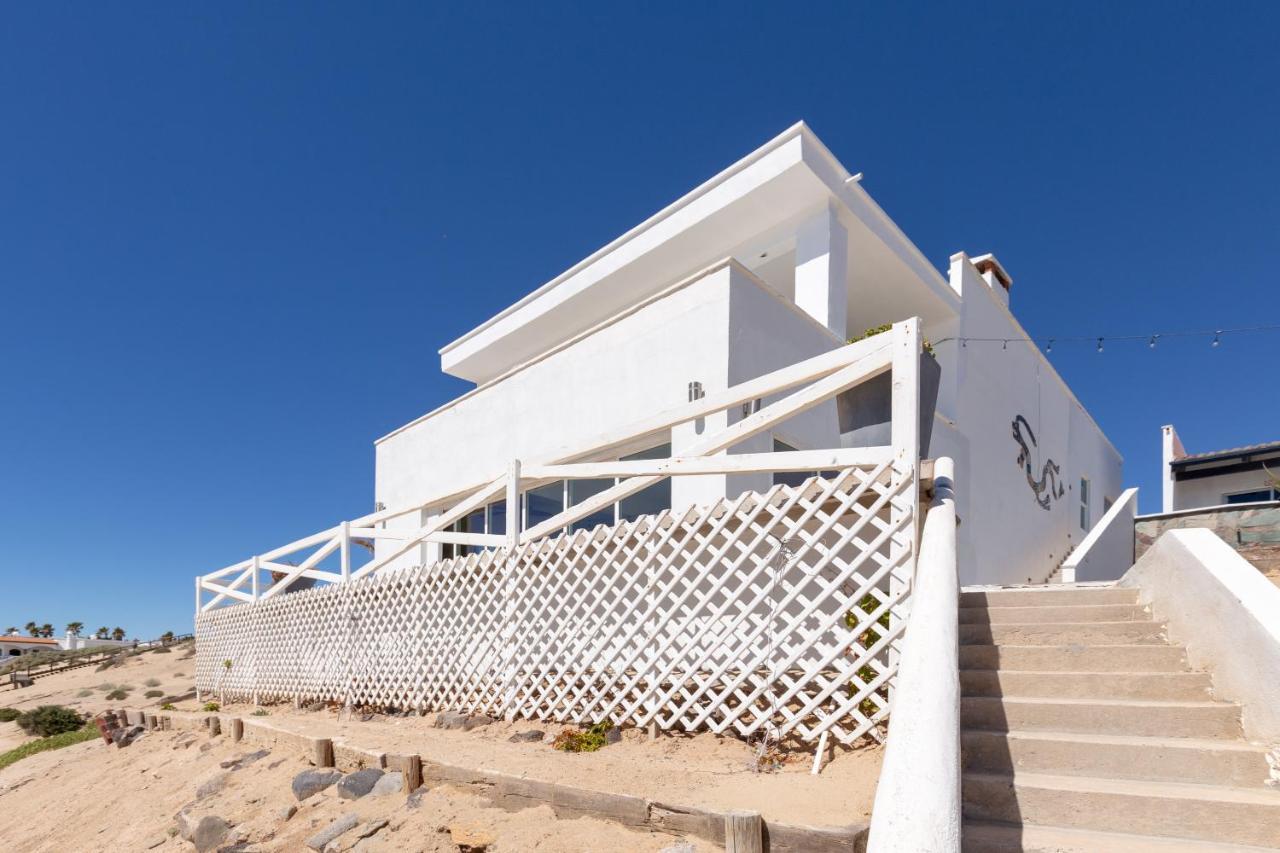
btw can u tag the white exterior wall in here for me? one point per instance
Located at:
(766, 333)
(639, 364)
(1005, 536)
(725, 327)
(1210, 491)
(720, 330)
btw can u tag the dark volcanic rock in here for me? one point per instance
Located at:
(209, 833)
(355, 785)
(310, 782)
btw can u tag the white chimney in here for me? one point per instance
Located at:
(995, 276)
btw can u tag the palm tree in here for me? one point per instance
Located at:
(73, 628)
(102, 633)
(117, 634)
(32, 628)
(10, 630)
(46, 630)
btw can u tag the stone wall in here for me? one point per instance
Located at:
(1254, 531)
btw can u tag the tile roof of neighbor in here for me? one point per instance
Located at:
(1248, 449)
(44, 641)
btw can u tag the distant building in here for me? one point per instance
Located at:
(14, 645)
(1238, 475)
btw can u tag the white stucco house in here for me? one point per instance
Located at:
(16, 645)
(729, 474)
(782, 256)
(1238, 475)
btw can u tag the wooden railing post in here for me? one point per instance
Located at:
(344, 549)
(509, 591)
(904, 433)
(513, 504)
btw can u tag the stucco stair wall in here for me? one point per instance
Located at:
(1083, 728)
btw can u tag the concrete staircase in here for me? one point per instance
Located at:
(1083, 729)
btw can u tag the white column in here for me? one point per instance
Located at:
(1171, 449)
(822, 269)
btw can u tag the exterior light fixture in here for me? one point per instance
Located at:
(1099, 344)
(1217, 337)
(1004, 344)
(695, 391)
(1049, 348)
(1152, 343)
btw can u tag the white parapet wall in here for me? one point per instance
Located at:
(1226, 614)
(1106, 552)
(917, 807)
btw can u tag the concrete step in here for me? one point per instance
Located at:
(1049, 613)
(983, 837)
(1102, 716)
(1056, 595)
(1169, 809)
(1075, 658)
(1204, 761)
(1165, 686)
(1064, 633)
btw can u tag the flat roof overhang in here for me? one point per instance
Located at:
(1228, 462)
(773, 189)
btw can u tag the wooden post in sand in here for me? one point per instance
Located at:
(215, 726)
(322, 752)
(411, 767)
(743, 833)
(237, 729)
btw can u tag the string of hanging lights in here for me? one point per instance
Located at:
(1215, 336)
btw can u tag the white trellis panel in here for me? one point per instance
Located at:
(732, 618)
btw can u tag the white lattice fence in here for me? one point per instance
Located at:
(728, 618)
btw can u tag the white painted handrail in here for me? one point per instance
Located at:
(819, 379)
(917, 805)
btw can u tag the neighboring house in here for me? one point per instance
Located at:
(81, 641)
(780, 257)
(1238, 475)
(14, 645)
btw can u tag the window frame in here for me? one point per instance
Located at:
(1085, 501)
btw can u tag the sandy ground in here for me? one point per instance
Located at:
(91, 798)
(11, 736)
(701, 770)
(86, 689)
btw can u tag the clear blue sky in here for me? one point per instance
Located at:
(233, 236)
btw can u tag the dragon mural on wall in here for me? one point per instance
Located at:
(1048, 486)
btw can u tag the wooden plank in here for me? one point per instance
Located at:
(785, 838)
(687, 820)
(796, 460)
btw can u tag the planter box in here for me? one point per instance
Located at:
(865, 410)
(298, 585)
